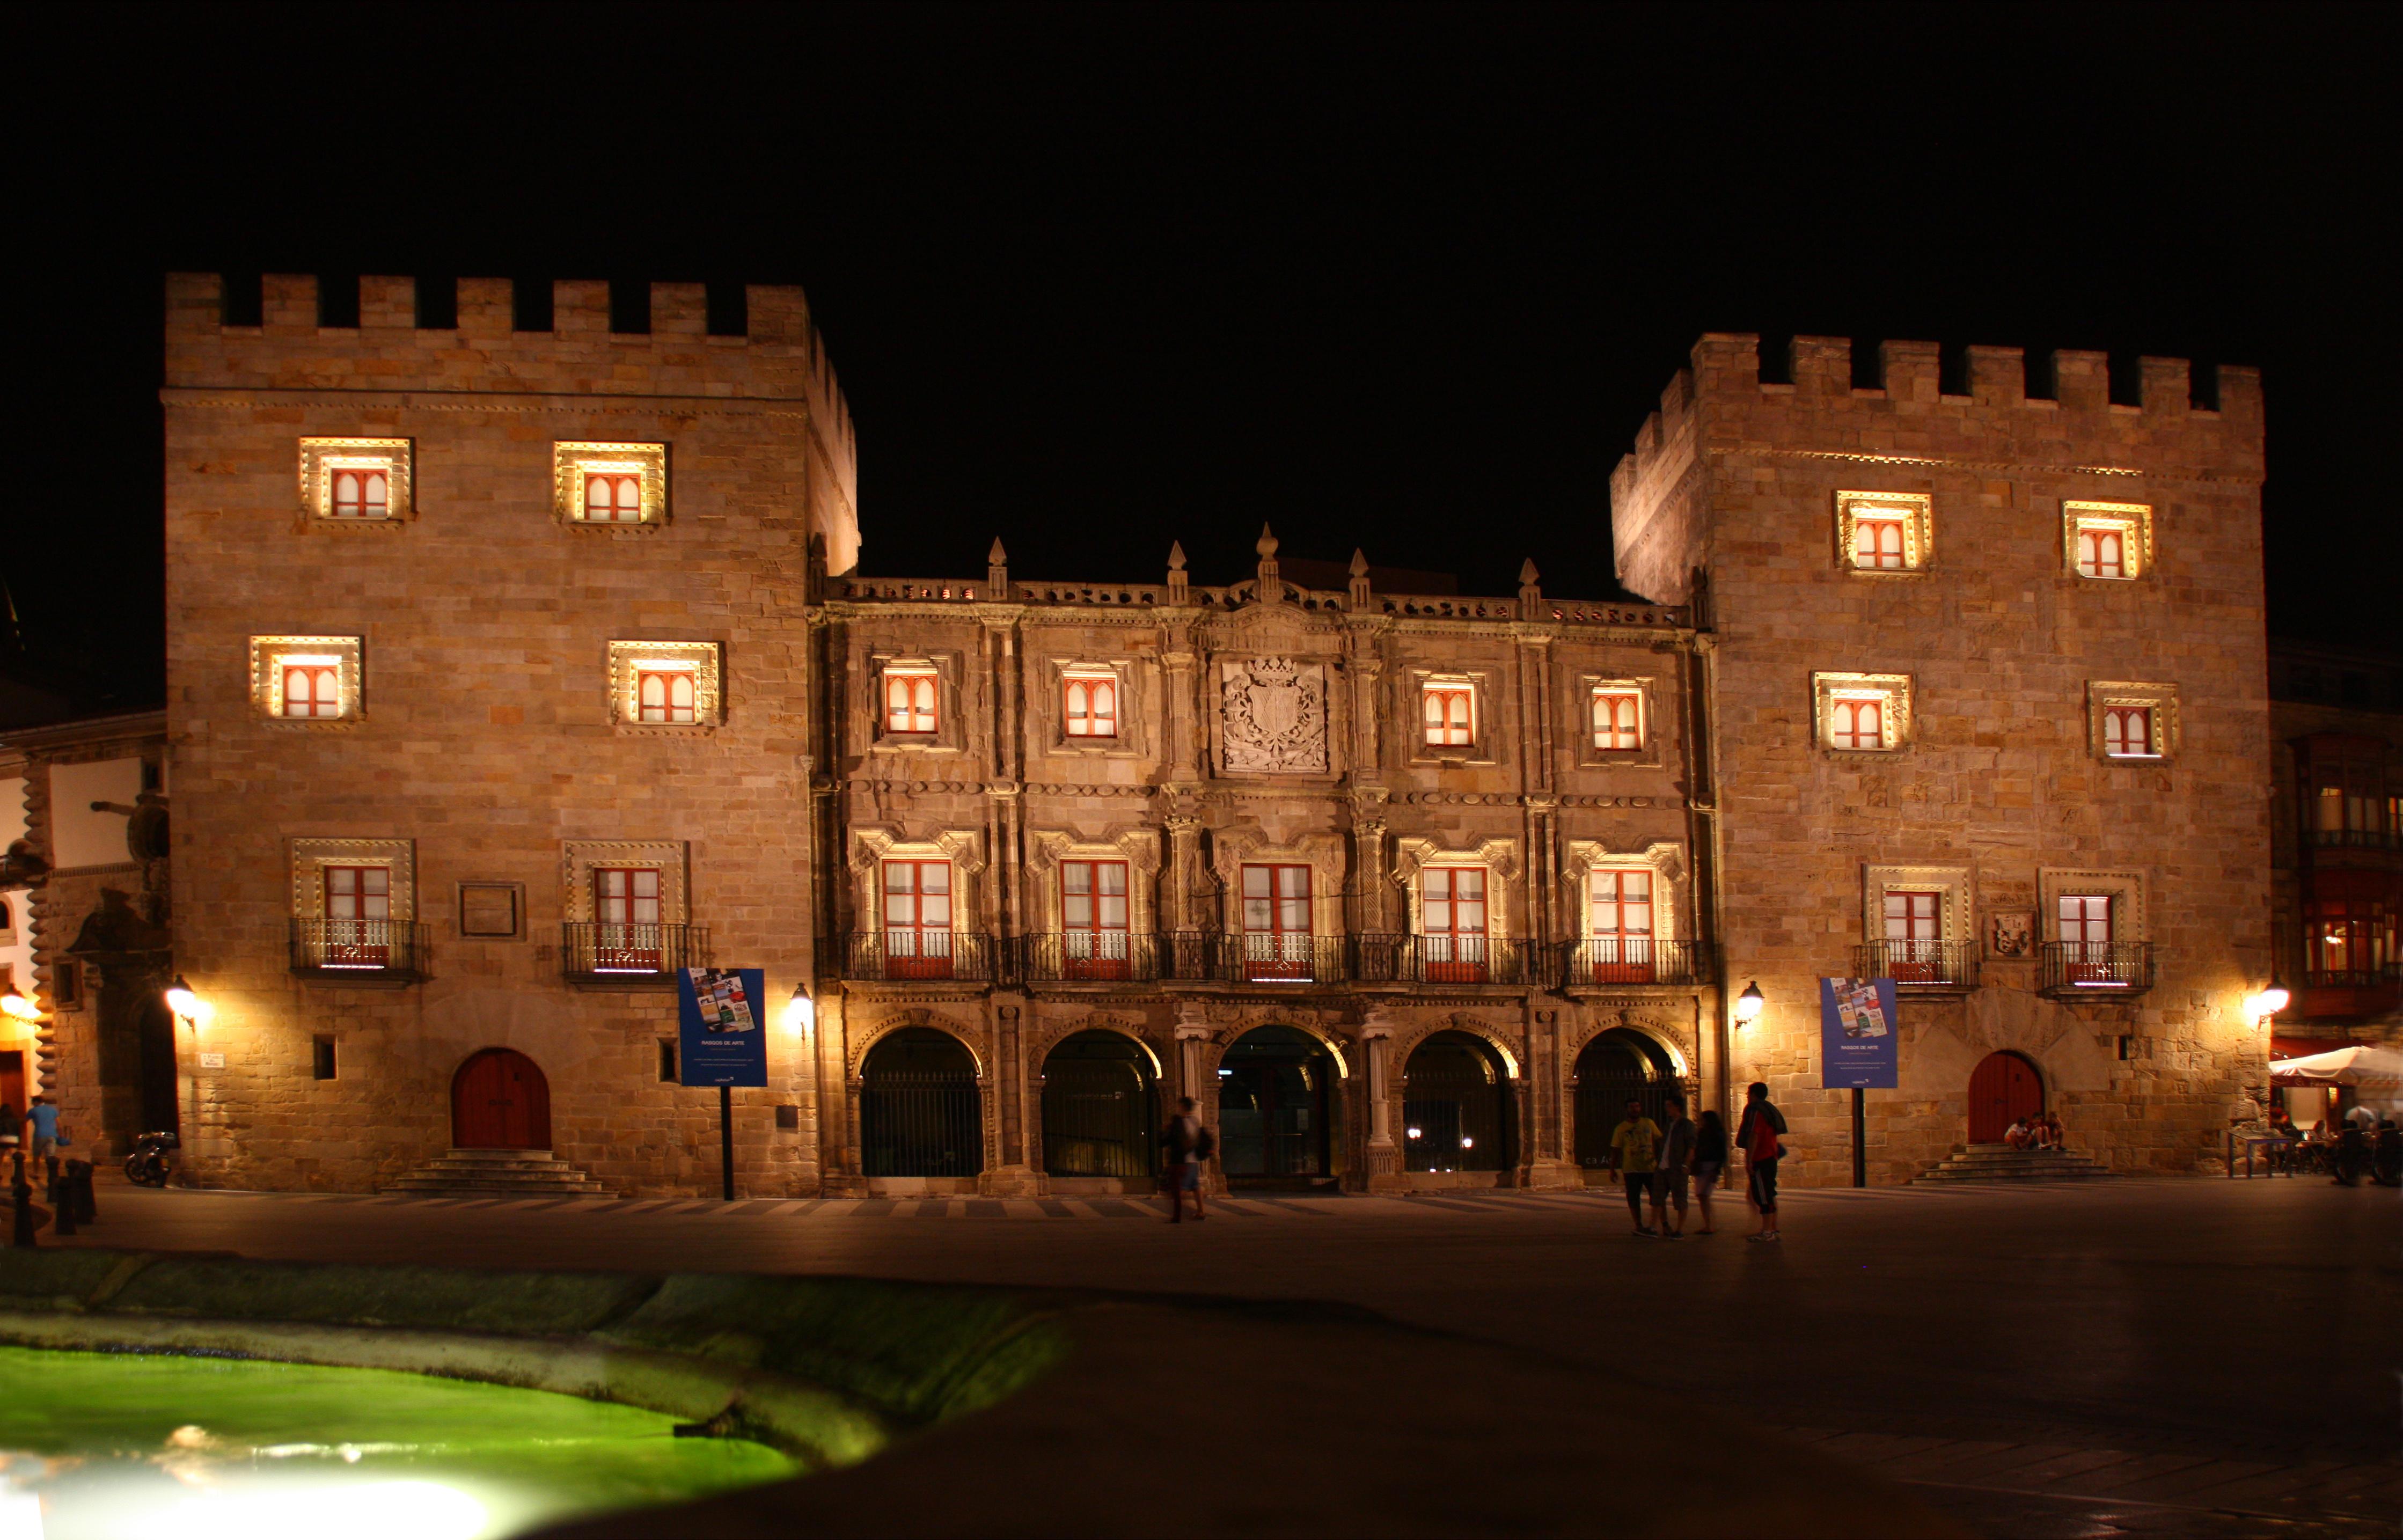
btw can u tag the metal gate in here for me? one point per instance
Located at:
(1097, 1108)
(1455, 1106)
(1615, 1067)
(919, 1113)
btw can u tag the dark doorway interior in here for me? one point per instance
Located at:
(2002, 1088)
(1617, 1065)
(1274, 1094)
(918, 1107)
(1098, 1107)
(1456, 1106)
(499, 1100)
(155, 1035)
(12, 1088)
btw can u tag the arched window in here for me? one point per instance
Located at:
(908, 701)
(664, 695)
(360, 494)
(1877, 544)
(311, 689)
(1858, 724)
(2128, 732)
(1092, 708)
(613, 497)
(1446, 711)
(2102, 553)
(1617, 722)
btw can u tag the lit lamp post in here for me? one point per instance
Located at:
(190, 1008)
(800, 1011)
(18, 1006)
(2262, 1007)
(1749, 1005)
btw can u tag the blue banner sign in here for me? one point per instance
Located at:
(722, 1038)
(1857, 1033)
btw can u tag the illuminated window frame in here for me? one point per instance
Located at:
(1450, 689)
(320, 458)
(1617, 689)
(2103, 696)
(270, 654)
(630, 660)
(2132, 521)
(571, 463)
(1892, 691)
(312, 858)
(1915, 510)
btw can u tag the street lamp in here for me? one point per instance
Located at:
(1749, 1005)
(18, 1007)
(184, 1003)
(800, 1011)
(2264, 1003)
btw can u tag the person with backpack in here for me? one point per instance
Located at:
(1758, 1137)
(1632, 1144)
(1188, 1143)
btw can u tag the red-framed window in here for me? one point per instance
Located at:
(627, 934)
(663, 695)
(1452, 925)
(360, 494)
(1094, 918)
(613, 497)
(1619, 925)
(1092, 707)
(2082, 924)
(1913, 934)
(2352, 937)
(909, 701)
(1276, 922)
(2127, 731)
(2102, 553)
(1877, 544)
(918, 919)
(1618, 719)
(1448, 713)
(358, 916)
(1856, 724)
(312, 689)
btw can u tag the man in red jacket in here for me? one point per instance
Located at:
(1758, 1135)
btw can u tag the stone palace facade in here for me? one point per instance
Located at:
(518, 660)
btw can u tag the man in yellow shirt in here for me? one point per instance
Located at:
(1634, 1145)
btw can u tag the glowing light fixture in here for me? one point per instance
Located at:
(18, 1007)
(182, 1000)
(1749, 1005)
(1417, 1134)
(2266, 1004)
(800, 1011)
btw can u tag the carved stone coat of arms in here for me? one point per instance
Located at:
(1273, 716)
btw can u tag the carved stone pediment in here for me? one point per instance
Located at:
(1273, 716)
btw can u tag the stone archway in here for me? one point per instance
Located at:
(1458, 1111)
(1100, 1107)
(1276, 1106)
(1617, 1066)
(920, 1110)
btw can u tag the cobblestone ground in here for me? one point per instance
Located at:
(2135, 1357)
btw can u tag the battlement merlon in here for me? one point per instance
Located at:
(1721, 408)
(781, 357)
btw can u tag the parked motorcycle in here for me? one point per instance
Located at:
(152, 1159)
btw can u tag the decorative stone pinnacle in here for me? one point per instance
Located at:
(1176, 556)
(1267, 543)
(1526, 571)
(1359, 562)
(997, 556)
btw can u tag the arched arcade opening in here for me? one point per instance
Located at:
(1276, 1095)
(1617, 1066)
(1100, 1107)
(920, 1111)
(1456, 1111)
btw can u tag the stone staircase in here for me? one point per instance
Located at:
(2002, 1163)
(497, 1173)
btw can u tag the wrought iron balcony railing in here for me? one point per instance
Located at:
(2380, 976)
(1919, 964)
(1089, 957)
(904, 956)
(388, 951)
(1602, 961)
(2084, 969)
(1255, 957)
(630, 956)
(1447, 960)
(2360, 838)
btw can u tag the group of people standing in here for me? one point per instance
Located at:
(1655, 1164)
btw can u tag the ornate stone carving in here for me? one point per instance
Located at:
(1274, 715)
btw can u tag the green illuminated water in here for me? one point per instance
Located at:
(97, 1446)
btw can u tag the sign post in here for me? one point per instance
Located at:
(722, 1041)
(1857, 1040)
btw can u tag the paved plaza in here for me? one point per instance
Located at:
(2171, 1356)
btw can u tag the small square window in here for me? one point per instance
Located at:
(664, 694)
(1862, 712)
(1448, 711)
(664, 683)
(2127, 720)
(667, 1059)
(1093, 705)
(1884, 532)
(66, 985)
(611, 484)
(355, 480)
(1618, 719)
(305, 678)
(910, 692)
(2128, 732)
(2107, 541)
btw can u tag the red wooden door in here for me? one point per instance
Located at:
(2003, 1089)
(499, 1100)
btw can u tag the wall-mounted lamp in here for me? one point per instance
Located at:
(19, 1007)
(800, 1011)
(1749, 1005)
(2261, 1006)
(189, 1007)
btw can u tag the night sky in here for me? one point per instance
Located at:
(1098, 278)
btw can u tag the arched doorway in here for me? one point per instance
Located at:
(499, 1100)
(1098, 1107)
(1456, 1106)
(2002, 1088)
(1274, 1093)
(1618, 1065)
(919, 1111)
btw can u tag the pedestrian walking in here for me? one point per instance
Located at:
(1668, 1182)
(44, 1121)
(1710, 1159)
(1758, 1133)
(1186, 1144)
(1634, 1145)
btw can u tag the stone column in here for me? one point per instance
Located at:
(1545, 1161)
(1183, 871)
(1194, 1081)
(1384, 1156)
(1014, 1176)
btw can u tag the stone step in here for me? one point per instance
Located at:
(492, 1173)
